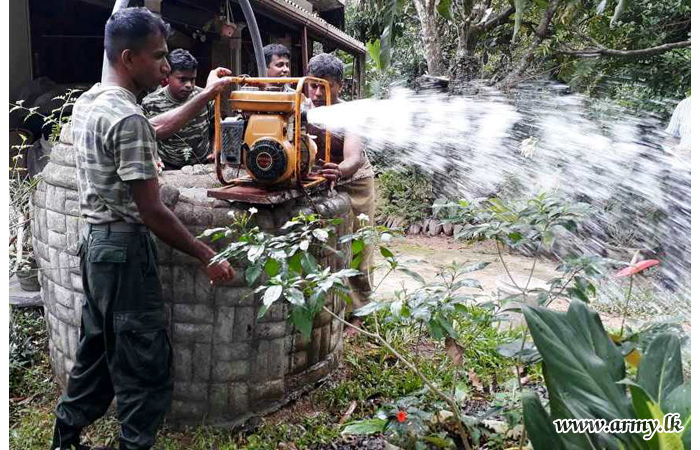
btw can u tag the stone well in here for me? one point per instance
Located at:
(228, 366)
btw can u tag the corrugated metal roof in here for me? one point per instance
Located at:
(314, 24)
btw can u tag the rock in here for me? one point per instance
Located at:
(399, 223)
(426, 226)
(434, 227)
(448, 228)
(414, 229)
(169, 195)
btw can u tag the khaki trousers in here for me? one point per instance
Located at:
(362, 200)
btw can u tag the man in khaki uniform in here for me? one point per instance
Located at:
(349, 168)
(124, 350)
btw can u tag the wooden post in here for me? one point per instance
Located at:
(361, 75)
(353, 94)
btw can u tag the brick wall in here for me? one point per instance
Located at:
(227, 365)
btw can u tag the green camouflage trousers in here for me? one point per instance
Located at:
(124, 350)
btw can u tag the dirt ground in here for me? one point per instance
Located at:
(424, 255)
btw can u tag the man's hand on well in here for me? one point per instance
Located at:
(220, 272)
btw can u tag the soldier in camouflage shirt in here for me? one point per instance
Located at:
(124, 350)
(191, 144)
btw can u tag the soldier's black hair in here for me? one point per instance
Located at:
(129, 28)
(323, 65)
(181, 59)
(278, 50)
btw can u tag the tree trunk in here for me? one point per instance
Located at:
(529, 55)
(429, 35)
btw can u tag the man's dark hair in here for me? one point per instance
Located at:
(278, 50)
(181, 59)
(324, 65)
(129, 28)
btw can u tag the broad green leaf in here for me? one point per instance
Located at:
(262, 311)
(356, 261)
(302, 320)
(252, 273)
(439, 441)
(396, 307)
(435, 329)
(582, 367)
(321, 235)
(661, 369)
(308, 262)
(370, 308)
(412, 274)
(648, 409)
(374, 52)
(444, 9)
(272, 294)
(294, 296)
(461, 308)
(304, 245)
(369, 426)
(678, 402)
(357, 246)
(539, 426)
(347, 273)
(526, 354)
(272, 267)
(254, 252)
(295, 263)
(446, 325)
(473, 267)
(467, 282)
(386, 252)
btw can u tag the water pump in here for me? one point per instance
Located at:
(268, 136)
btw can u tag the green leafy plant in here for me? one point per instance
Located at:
(585, 378)
(288, 261)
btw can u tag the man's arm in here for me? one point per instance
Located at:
(171, 122)
(169, 229)
(352, 160)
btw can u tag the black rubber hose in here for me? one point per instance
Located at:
(255, 36)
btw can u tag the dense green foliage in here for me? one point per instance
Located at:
(494, 52)
(637, 82)
(405, 194)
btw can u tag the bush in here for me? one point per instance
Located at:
(405, 193)
(28, 341)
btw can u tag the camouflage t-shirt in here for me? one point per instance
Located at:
(188, 146)
(115, 143)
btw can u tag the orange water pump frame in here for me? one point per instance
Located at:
(300, 82)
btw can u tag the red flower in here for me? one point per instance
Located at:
(637, 267)
(401, 416)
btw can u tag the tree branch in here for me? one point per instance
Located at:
(640, 53)
(499, 19)
(540, 35)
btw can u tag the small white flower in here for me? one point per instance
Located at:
(363, 218)
(231, 214)
(252, 211)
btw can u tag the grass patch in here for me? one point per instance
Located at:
(371, 376)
